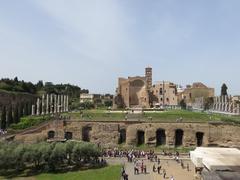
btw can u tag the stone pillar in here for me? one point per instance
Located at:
(38, 106)
(61, 106)
(33, 110)
(225, 103)
(221, 103)
(43, 104)
(217, 109)
(47, 104)
(55, 104)
(67, 104)
(64, 103)
(238, 109)
(58, 103)
(214, 103)
(51, 104)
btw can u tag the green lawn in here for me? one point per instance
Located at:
(166, 116)
(107, 173)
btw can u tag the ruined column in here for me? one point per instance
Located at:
(43, 104)
(238, 109)
(33, 110)
(217, 109)
(64, 103)
(67, 104)
(51, 104)
(55, 103)
(38, 106)
(214, 103)
(61, 103)
(58, 103)
(225, 103)
(47, 104)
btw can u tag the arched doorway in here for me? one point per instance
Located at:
(51, 134)
(122, 136)
(86, 133)
(178, 137)
(161, 137)
(199, 137)
(68, 135)
(140, 138)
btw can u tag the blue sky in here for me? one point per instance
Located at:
(91, 43)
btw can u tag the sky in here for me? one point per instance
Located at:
(90, 43)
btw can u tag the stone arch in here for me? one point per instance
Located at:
(135, 90)
(140, 137)
(68, 135)
(179, 137)
(86, 133)
(51, 134)
(199, 138)
(160, 137)
(122, 136)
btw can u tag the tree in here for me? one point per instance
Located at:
(224, 90)
(16, 79)
(108, 103)
(183, 104)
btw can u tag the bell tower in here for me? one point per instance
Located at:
(148, 75)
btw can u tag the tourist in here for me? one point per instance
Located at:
(188, 167)
(142, 166)
(154, 168)
(164, 174)
(136, 171)
(125, 176)
(172, 178)
(158, 161)
(145, 169)
(123, 171)
(159, 169)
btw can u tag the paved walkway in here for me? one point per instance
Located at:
(172, 169)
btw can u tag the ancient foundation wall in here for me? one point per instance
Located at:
(110, 134)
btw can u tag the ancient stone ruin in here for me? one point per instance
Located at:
(226, 105)
(50, 104)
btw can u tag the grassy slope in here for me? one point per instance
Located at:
(108, 173)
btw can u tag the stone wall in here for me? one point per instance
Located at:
(172, 134)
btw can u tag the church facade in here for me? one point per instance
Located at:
(133, 92)
(139, 92)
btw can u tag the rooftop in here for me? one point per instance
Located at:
(217, 162)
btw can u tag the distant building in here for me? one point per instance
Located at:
(139, 92)
(195, 91)
(96, 99)
(165, 93)
(86, 98)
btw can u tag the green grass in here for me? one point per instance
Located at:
(98, 114)
(29, 121)
(107, 173)
(177, 114)
(164, 116)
